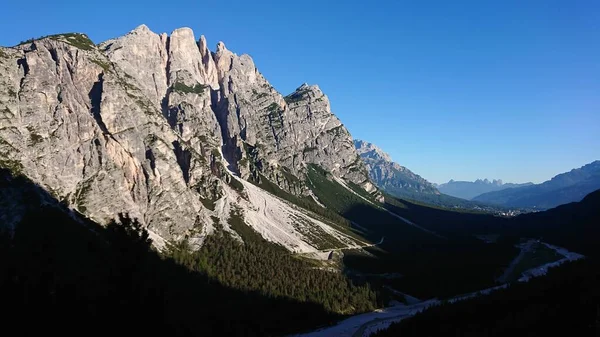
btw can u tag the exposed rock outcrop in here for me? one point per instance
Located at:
(389, 175)
(81, 129)
(139, 123)
(263, 131)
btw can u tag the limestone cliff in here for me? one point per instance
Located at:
(140, 124)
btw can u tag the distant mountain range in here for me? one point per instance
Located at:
(481, 194)
(563, 188)
(398, 181)
(470, 189)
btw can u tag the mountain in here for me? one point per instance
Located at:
(161, 128)
(470, 189)
(390, 176)
(196, 145)
(148, 176)
(573, 225)
(561, 189)
(400, 182)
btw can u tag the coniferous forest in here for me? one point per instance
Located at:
(66, 273)
(66, 276)
(566, 302)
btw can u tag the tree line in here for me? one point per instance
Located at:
(59, 275)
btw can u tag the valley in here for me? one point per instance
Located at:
(364, 325)
(151, 184)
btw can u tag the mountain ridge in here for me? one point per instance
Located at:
(470, 189)
(159, 127)
(389, 175)
(563, 188)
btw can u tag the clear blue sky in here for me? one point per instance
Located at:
(451, 89)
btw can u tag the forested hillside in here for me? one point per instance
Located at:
(564, 302)
(64, 275)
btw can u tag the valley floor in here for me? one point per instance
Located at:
(364, 325)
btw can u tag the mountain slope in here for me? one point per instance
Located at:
(400, 182)
(569, 292)
(469, 190)
(158, 127)
(390, 176)
(563, 188)
(574, 225)
(197, 145)
(55, 264)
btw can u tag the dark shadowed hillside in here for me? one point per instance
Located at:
(564, 302)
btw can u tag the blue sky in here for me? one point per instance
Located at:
(461, 90)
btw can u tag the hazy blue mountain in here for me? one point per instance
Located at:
(470, 189)
(400, 182)
(563, 188)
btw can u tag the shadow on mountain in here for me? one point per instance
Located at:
(60, 273)
(420, 263)
(565, 302)
(444, 221)
(575, 226)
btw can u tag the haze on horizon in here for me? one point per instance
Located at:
(452, 91)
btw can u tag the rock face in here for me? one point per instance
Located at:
(74, 123)
(390, 176)
(264, 132)
(139, 124)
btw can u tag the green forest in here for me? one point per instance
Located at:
(256, 265)
(566, 302)
(65, 275)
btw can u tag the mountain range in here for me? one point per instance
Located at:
(561, 189)
(150, 177)
(161, 128)
(400, 182)
(470, 189)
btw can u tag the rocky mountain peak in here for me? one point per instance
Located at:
(305, 87)
(187, 62)
(141, 29)
(223, 59)
(221, 47)
(151, 125)
(366, 149)
(470, 189)
(210, 67)
(391, 176)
